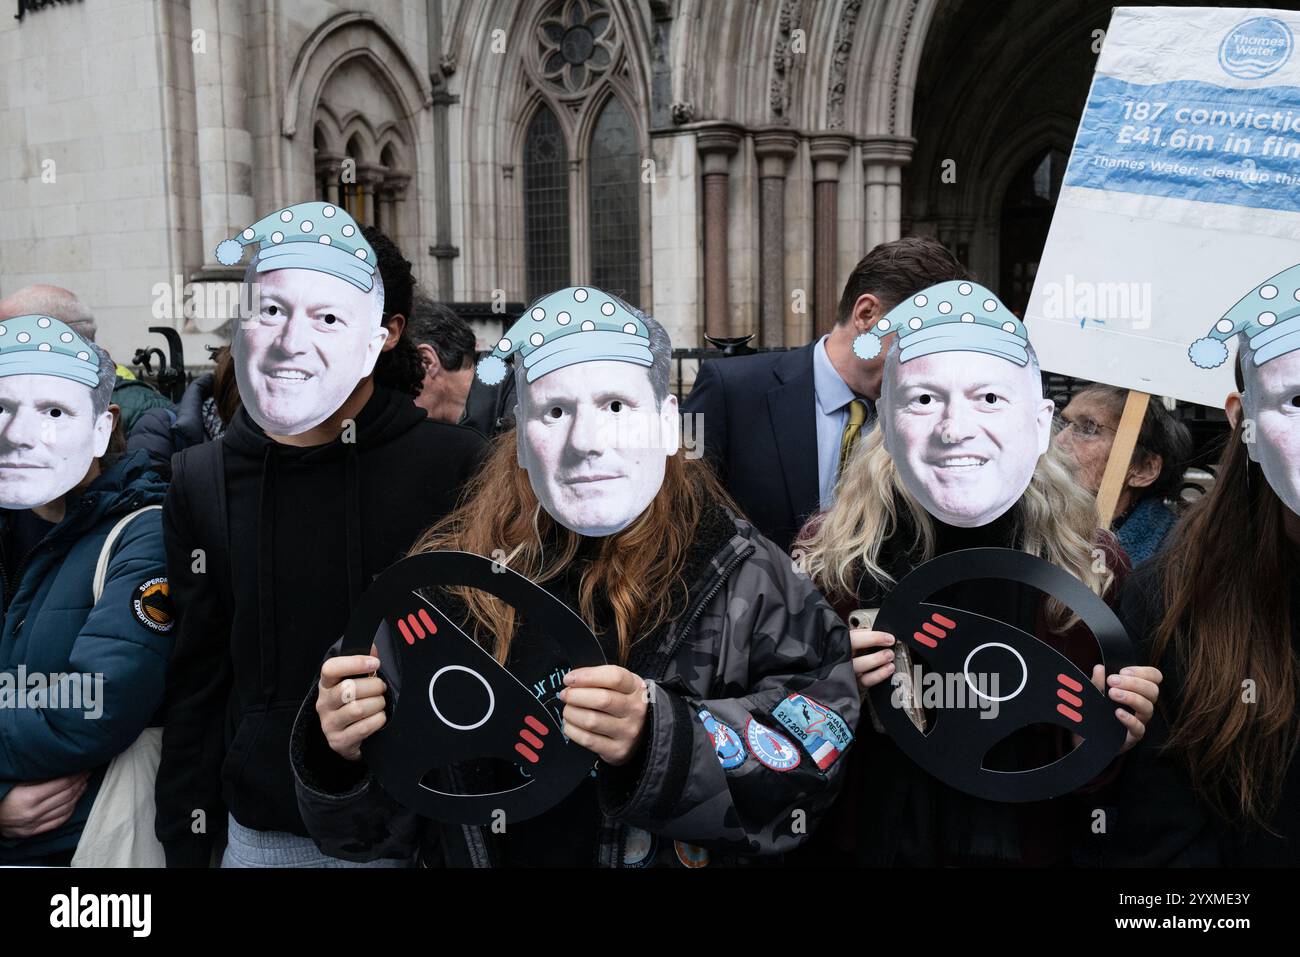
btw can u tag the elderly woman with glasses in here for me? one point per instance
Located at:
(1142, 517)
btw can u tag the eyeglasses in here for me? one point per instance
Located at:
(1084, 427)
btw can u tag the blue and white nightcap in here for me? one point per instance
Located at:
(42, 345)
(1269, 315)
(319, 236)
(954, 316)
(578, 324)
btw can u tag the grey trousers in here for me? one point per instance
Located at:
(246, 847)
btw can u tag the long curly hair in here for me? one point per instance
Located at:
(637, 572)
(1057, 519)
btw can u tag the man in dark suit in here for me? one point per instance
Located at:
(778, 425)
(450, 392)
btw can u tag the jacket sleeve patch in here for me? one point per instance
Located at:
(773, 750)
(726, 743)
(822, 732)
(151, 604)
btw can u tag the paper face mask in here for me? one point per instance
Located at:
(595, 424)
(318, 330)
(49, 431)
(962, 411)
(1272, 401)
(1267, 324)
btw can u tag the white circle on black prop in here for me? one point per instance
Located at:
(491, 705)
(1024, 671)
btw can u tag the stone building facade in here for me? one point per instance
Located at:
(721, 163)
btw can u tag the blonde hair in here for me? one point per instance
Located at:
(1057, 519)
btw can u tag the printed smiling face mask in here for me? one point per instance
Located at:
(962, 411)
(313, 339)
(965, 432)
(50, 433)
(318, 329)
(596, 424)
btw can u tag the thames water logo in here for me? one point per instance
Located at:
(1255, 48)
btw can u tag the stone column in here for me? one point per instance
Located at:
(717, 145)
(391, 190)
(883, 159)
(369, 176)
(828, 153)
(440, 68)
(773, 148)
(329, 166)
(225, 160)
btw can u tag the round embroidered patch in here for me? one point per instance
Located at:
(726, 743)
(152, 605)
(690, 855)
(773, 750)
(638, 847)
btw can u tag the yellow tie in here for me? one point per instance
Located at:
(857, 415)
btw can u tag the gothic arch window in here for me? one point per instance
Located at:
(614, 203)
(363, 162)
(546, 205)
(583, 199)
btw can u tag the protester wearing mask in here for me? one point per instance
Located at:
(87, 617)
(131, 397)
(962, 458)
(1217, 783)
(683, 595)
(1142, 517)
(321, 481)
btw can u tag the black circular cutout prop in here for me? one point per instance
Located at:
(450, 704)
(1035, 683)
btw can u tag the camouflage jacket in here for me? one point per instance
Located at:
(753, 702)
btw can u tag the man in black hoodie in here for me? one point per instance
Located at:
(320, 481)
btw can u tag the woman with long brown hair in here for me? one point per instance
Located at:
(1216, 783)
(721, 656)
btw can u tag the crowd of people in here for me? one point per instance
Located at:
(348, 425)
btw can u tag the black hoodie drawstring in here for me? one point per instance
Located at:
(265, 572)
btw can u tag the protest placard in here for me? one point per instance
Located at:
(1183, 189)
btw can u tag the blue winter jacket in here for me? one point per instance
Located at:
(119, 645)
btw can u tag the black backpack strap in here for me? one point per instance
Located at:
(206, 486)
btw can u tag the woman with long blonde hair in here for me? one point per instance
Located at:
(948, 440)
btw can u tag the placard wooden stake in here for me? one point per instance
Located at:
(1121, 454)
